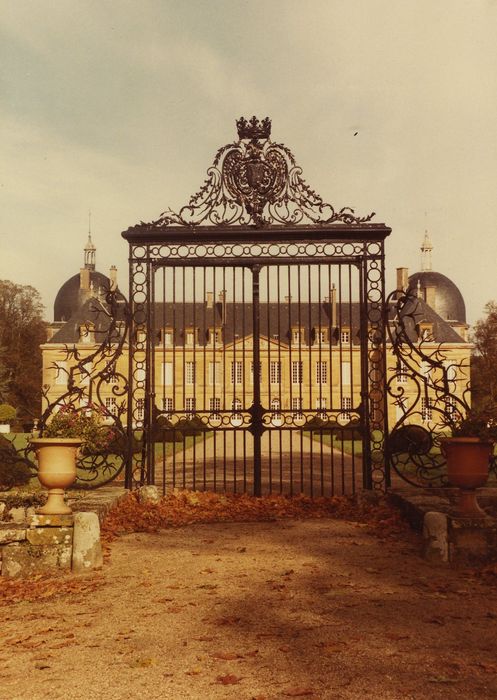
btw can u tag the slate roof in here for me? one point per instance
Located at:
(449, 302)
(275, 320)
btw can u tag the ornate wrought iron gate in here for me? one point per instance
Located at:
(257, 344)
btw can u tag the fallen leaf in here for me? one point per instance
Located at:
(143, 663)
(298, 692)
(230, 679)
(226, 655)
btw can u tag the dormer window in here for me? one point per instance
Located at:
(215, 336)
(320, 336)
(190, 336)
(345, 336)
(168, 336)
(297, 336)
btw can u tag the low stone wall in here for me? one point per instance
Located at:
(32, 543)
(447, 538)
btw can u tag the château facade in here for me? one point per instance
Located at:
(310, 360)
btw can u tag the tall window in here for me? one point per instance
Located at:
(321, 372)
(167, 404)
(426, 409)
(297, 406)
(236, 405)
(346, 373)
(214, 404)
(450, 406)
(236, 372)
(167, 373)
(111, 405)
(190, 406)
(190, 373)
(401, 374)
(252, 372)
(214, 368)
(297, 371)
(275, 372)
(140, 405)
(346, 406)
(276, 418)
(321, 406)
(168, 337)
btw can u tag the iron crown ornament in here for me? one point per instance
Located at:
(257, 182)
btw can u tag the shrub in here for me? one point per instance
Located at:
(14, 470)
(85, 424)
(7, 413)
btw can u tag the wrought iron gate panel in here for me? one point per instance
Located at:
(309, 317)
(300, 401)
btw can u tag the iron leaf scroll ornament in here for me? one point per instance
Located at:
(255, 181)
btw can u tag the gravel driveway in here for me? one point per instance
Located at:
(319, 609)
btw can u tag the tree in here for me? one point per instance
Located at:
(484, 360)
(22, 330)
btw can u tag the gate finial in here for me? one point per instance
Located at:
(254, 129)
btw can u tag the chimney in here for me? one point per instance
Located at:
(222, 301)
(210, 300)
(402, 279)
(113, 278)
(84, 279)
(333, 303)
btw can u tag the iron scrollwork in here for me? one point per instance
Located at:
(92, 377)
(256, 181)
(429, 392)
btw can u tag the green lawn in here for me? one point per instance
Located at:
(349, 447)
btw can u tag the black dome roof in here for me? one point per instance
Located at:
(449, 302)
(69, 297)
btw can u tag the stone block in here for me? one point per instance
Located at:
(40, 520)
(10, 532)
(472, 541)
(3, 508)
(24, 560)
(17, 515)
(435, 535)
(148, 494)
(64, 556)
(49, 535)
(87, 548)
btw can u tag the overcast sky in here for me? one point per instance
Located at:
(119, 106)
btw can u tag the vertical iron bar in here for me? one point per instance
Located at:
(256, 427)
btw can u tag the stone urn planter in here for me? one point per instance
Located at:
(56, 470)
(468, 460)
